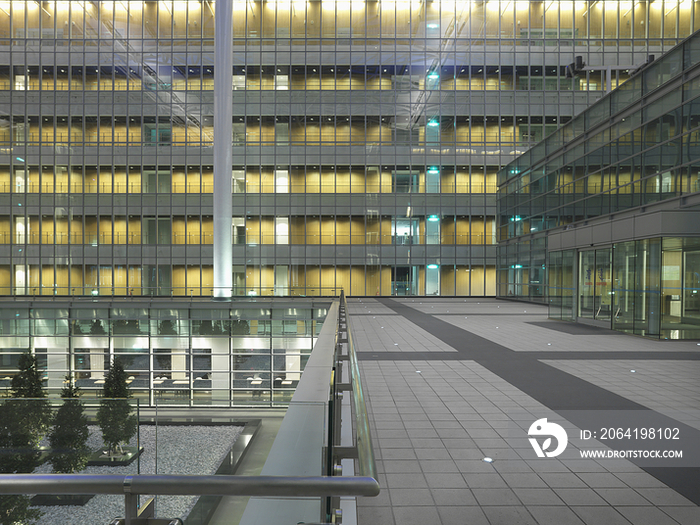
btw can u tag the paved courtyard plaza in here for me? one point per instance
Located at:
(450, 382)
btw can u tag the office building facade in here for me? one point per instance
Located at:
(600, 220)
(366, 137)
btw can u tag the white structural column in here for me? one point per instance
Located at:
(223, 135)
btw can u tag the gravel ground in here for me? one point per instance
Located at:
(181, 450)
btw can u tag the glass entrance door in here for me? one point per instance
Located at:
(404, 280)
(595, 293)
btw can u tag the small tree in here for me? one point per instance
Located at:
(68, 438)
(205, 328)
(23, 422)
(114, 416)
(33, 409)
(27, 383)
(166, 328)
(17, 455)
(96, 328)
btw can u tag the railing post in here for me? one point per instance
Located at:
(131, 502)
(131, 508)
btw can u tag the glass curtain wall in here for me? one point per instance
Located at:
(561, 284)
(248, 354)
(348, 117)
(647, 155)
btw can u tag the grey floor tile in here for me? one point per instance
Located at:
(639, 480)
(513, 456)
(414, 416)
(381, 500)
(508, 516)
(404, 497)
(475, 466)
(433, 454)
(523, 479)
(471, 453)
(452, 433)
(484, 481)
(421, 424)
(426, 443)
(483, 433)
(388, 425)
(457, 443)
(621, 465)
(450, 515)
(453, 497)
(370, 515)
(395, 453)
(503, 496)
(391, 443)
(600, 515)
(487, 444)
(416, 515)
(445, 480)
(562, 480)
(384, 435)
(438, 465)
(554, 515)
(665, 497)
(405, 481)
(583, 465)
(542, 496)
(579, 496)
(683, 515)
(547, 466)
(510, 465)
(448, 424)
(623, 497)
(394, 466)
(600, 480)
(415, 433)
(647, 516)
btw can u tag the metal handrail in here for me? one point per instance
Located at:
(365, 453)
(291, 486)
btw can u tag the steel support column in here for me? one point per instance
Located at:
(223, 135)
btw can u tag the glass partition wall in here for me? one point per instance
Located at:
(243, 353)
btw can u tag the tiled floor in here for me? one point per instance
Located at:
(439, 409)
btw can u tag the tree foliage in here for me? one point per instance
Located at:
(30, 404)
(68, 438)
(114, 416)
(96, 328)
(166, 328)
(16, 509)
(24, 420)
(27, 383)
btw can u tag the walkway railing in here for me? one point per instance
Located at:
(304, 464)
(365, 452)
(319, 399)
